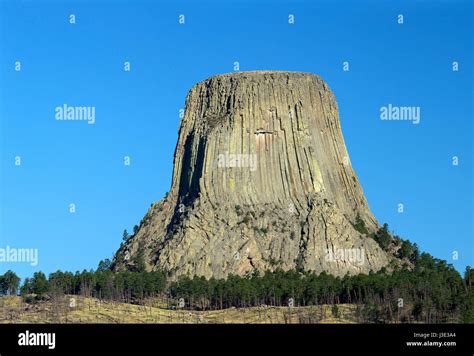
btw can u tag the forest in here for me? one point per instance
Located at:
(427, 290)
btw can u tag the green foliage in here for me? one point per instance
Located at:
(125, 235)
(61, 282)
(104, 265)
(103, 284)
(9, 283)
(417, 310)
(139, 258)
(118, 259)
(26, 287)
(408, 250)
(39, 284)
(359, 225)
(432, 290)
(370, 312)
(238, 210)
(246, 219)
(262, 230)
(273, 262)
(382, 237)
(467, 304)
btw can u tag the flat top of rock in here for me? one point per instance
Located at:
(261, 73)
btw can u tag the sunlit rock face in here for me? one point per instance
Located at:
(262, 180)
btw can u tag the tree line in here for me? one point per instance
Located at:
(432, 292)
(426, 290)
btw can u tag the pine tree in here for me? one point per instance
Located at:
(139, 258)
(39, 284)
(9, 283)
(104, 265)
(383, 237)
(125, 235)
(359, 225)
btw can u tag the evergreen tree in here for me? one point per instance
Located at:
(432, 290)
(39, 284)
(125, 235)
(360, 225)
(104, 265)
(406, 249)
(26, 287)
(9, 283)
(383, 237)
(467, 304)
(139, 259)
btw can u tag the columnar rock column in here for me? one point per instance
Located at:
(262, 180)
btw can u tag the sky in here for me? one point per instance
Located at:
(137, 111)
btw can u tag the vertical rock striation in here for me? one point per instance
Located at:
(262, 180)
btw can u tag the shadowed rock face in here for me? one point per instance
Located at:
(262, 179)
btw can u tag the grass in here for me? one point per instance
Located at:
(91, 310)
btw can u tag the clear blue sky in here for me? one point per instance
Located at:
(137, 112)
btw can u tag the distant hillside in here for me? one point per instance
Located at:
(92, 310)
(431, 291)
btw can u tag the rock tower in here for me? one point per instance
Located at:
(262, 180)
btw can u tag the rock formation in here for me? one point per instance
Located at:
(262, 180)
